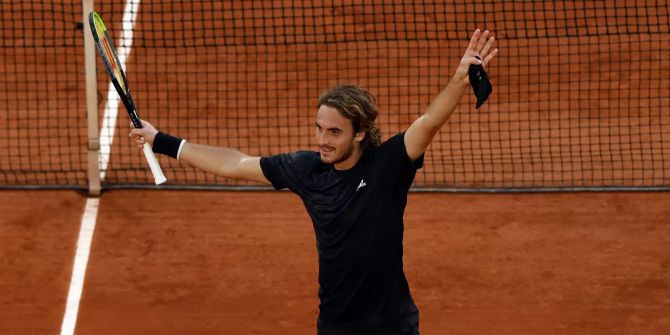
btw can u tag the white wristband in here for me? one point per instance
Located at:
(181, 145)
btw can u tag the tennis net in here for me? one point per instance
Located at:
(581, 88)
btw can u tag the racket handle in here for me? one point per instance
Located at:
(159, 177)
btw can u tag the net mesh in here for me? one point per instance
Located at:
(42, 123)
(580, 87)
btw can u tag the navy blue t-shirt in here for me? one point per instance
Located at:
(358, 219)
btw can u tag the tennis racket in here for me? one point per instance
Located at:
(113, 66)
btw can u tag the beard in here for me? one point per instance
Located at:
(348, 151)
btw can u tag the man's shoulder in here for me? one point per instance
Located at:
(291, 159)
(284, 170)
(306, 157)
(393, 153)
(302, 159)
(393, 142)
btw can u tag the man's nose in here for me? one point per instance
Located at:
(322, 138)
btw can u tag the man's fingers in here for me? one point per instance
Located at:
(490, 56)
(138, 134)
(139, 140)
(470, 61)
(135, 133)
(487, 47)
(482, 40)
(473, 39)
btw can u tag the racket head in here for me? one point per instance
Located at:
(112, 64)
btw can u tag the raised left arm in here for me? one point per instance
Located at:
(422, 131)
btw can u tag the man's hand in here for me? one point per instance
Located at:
(422, 131)
(145, 134)
(480, 46)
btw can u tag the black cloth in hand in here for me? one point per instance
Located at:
(480, 83)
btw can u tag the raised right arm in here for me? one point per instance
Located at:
(225, 162)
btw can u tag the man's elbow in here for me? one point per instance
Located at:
(231, 170)
(430, 125)
(245, 168)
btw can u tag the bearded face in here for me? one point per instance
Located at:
(336, 138)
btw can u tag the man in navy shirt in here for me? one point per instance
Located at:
(355, 191)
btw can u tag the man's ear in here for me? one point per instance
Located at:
(360, 136)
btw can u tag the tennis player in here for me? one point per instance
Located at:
(355, 191)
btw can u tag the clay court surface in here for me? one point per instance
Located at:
(197, 262)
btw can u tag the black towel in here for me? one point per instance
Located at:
(480, 83)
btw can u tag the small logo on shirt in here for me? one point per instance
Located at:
(361, 185)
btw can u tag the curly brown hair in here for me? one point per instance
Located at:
(357, 105)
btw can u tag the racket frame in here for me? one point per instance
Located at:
(106, 49)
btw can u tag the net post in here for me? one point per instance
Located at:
(91, 103)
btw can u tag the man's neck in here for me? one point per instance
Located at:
(351, 161)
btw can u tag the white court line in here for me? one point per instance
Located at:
(90, 215)
(79, 269)
(113, 102)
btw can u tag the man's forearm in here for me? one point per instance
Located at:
(217, 160)
(440, 110)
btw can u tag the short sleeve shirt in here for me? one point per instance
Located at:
(357, 216)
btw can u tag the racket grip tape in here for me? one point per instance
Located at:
(159, 177)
